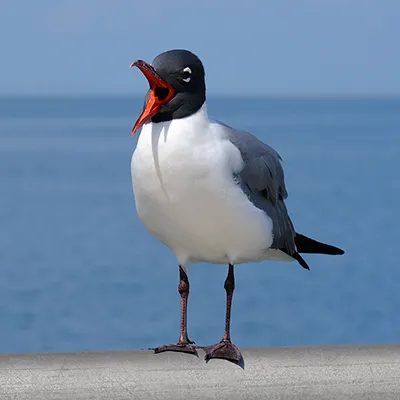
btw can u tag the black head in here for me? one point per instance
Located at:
(177, 86)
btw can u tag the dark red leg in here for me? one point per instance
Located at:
(184, 344)
(225, 349)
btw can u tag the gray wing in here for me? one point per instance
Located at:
(262, 179)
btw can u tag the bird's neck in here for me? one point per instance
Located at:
(191, 126)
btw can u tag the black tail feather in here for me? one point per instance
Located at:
(305, 244)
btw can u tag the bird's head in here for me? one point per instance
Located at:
(177, 87)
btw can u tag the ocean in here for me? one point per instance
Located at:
(79, 272)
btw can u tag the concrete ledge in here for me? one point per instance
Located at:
(343, 372)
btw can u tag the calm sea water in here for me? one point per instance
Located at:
(79, 272)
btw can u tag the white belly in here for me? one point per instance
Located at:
(186, 196)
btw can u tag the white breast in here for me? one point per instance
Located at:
(182, 175)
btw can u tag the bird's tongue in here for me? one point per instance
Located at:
(161, 93)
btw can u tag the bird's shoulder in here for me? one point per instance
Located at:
(262, 169)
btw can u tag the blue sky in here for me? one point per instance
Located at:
(252, 47)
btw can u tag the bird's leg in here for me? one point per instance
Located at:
(225, 349)
(184, 344)
(183, 289)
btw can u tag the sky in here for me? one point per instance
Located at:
(252, 47)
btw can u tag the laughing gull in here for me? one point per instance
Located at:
(207, 191)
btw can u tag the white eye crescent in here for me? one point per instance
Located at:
(186, 74)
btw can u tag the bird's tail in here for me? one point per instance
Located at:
(305, 244)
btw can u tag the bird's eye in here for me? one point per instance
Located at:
(186, 75)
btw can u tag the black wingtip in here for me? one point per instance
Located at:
(301, 261)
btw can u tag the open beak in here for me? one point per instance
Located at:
(161, 93)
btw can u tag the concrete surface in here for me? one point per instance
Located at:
(343, 372)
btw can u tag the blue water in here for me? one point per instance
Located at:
(79, 272)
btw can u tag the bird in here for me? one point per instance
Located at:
(207, 191)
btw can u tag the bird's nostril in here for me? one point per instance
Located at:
(161, 93)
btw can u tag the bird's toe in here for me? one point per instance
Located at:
(180, 348)
(224, 350)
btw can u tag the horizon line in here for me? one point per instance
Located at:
(92, 96)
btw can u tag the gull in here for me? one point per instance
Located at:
(209, 192)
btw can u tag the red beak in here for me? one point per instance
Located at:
(161, 93)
